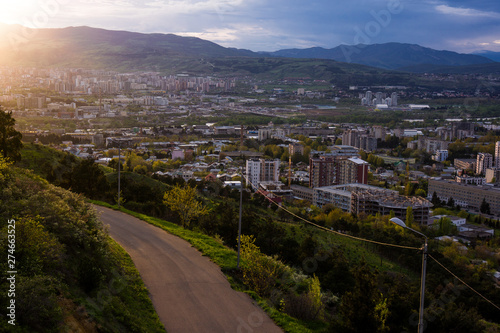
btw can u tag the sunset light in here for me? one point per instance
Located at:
(338, 160)
(17, 12)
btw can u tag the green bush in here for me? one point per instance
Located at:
(37, 303)
(65, 262)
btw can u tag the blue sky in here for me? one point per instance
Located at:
(269, 25)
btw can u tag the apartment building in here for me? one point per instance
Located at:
(295, 148)
(323, 171)
(432, 145)
(353, 170)
(361, 198)
(465, 164)
(440, 156)
(497, 154)
(262, 170)
(484, 161)
(359, 140)
(341, 166)
(468, 196)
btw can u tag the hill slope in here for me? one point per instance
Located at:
(388, 55)
(70, 276)
(495, 56)
(99, 48)
(484, 69)
(85, 47)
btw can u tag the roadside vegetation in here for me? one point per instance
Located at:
(309, 279)
(66, 263)
(71, 276)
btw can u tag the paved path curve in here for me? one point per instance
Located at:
(189, 292)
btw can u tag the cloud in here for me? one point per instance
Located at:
(267, 25)
(468, 12)
(220, 36)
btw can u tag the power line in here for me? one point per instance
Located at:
(333, 231)
(459, 279)
(374, 242)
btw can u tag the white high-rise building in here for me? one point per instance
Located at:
(253, 172)
(484, 161)
(497, 154)
(369, 97)
(440, 155)
(394, 99)
(262, 170)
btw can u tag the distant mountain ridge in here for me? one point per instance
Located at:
(92, 47)
(495, 56)
(86, 47)
(388, 56)
(84, 37)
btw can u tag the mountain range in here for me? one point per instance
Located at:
(495, 56)
(396, 56)
(128, 51)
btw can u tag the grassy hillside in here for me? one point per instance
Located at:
(139, 192)
(66, 264)
(46, 162)
(483, 69)
(389, 275)
(226, 258)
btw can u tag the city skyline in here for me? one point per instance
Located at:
(260, 25)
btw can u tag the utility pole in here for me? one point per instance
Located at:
(239, 221)
(119, 167)
(421, 324)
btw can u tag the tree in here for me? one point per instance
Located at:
(114, 164)
(435, 199)
(485, 207)
(10, 139)
(141, 169)
(409, 216)
(4, 165)
(364, 309)
(421, 193)
(259, 271)
(89, 179)
(446, 227)
(183, 201)
(451, 202)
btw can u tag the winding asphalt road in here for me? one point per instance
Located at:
(189, 292)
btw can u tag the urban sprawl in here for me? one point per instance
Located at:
(351, 166)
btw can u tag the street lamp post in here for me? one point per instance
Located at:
(424, 268)
(119, 166)
(239, 221)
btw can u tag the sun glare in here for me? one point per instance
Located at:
(18, 12)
